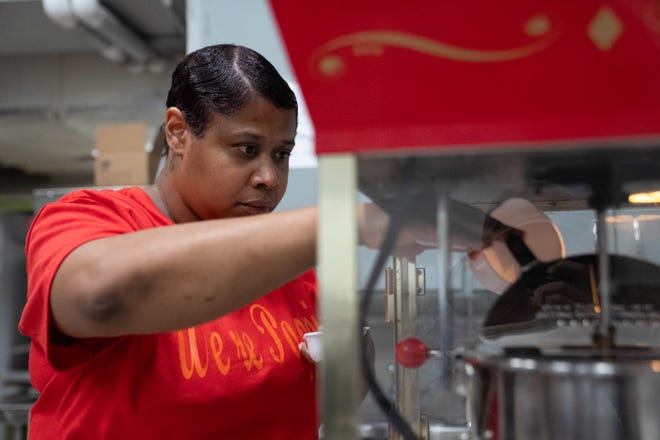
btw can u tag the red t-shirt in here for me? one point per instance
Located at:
(238, 377)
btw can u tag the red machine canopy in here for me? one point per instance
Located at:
(387, 74)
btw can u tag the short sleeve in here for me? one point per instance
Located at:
(56, 231)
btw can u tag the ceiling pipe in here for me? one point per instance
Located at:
(97, 17)
(60, 12)
(118, 42)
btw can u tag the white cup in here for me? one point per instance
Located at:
(314, 346)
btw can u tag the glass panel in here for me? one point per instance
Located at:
(510, 215)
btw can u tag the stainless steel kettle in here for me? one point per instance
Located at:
(538, 373)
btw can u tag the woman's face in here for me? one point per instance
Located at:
(240, 166)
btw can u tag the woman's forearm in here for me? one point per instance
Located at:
(178, 276)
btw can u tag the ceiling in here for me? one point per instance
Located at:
(63, 72)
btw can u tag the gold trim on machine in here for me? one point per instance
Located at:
(373, 43)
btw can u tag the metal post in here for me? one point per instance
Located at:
(603, 276)
(337, 270)
(405, 318)
(444, 299)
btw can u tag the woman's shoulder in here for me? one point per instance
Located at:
(134, 193)
(131, 203)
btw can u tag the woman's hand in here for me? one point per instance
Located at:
(412, 240)
(470, 230)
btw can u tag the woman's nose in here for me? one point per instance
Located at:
(266, 175)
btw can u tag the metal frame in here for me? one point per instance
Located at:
(337, 270)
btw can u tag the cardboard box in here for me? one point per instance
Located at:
(122, 157)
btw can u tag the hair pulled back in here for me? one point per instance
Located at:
(222, 79)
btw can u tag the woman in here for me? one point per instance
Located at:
(149, 307)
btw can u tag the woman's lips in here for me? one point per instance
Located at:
(256, 207)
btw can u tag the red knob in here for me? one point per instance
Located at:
(411, 352)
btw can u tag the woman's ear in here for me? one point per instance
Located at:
(177, 131)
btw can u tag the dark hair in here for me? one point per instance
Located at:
(222, 79)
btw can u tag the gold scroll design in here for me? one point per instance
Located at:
(328, 64)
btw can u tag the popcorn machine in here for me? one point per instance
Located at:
(527, 135)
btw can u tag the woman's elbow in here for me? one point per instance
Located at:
(84, 302)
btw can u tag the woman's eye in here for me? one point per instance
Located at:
(283, 154)
(249, 149)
